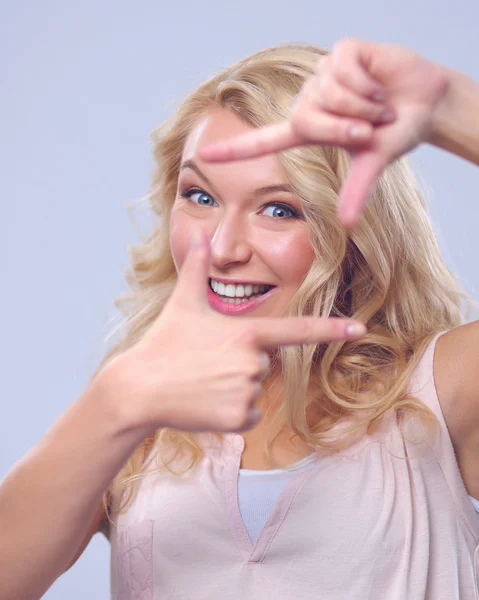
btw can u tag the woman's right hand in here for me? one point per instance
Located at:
(198, 370)
(379, 101)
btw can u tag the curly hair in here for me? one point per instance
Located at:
(387, 272)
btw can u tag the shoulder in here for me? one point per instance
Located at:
(456, 374)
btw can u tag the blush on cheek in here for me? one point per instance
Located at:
(291, 257)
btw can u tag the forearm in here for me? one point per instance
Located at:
(456, 122)
(49, 498)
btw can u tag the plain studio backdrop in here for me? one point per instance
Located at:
(82, 86)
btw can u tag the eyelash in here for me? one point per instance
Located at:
(189, 192)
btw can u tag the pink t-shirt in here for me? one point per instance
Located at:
(361, 524)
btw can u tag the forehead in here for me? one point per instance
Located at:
(218, 124)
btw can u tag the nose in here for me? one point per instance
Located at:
(230, 244)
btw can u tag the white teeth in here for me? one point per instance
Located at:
(230, 291)
(239, 291)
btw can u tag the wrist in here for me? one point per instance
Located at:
(117, 393)
(454, 123)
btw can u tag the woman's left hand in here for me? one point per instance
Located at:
(376, 100)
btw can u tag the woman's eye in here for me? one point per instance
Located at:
(281, 211)
(199, 197)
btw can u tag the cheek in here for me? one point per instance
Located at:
(181, 232)
(291, 256)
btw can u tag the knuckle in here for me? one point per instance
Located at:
(373, 112)
(237, 416)
(302, 101)
(259, 367)
(248, 367)
(344, 51)
(322, 64)
(342, 72)
(325, 83)
(343, 129)
(308, 87)
(309, 92)
(345, 44)
(339, 46)
(336, 46)
(331, 101)
(255, 367)
(327, 91)
(248, 337)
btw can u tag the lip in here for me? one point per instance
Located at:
(237, 281)
(235, 309)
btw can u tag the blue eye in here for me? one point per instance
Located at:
(281, 211)
(203, 199)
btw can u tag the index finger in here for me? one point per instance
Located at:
(294, 331)
(365, 168)
(264, 140)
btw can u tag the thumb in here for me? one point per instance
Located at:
(191, 288)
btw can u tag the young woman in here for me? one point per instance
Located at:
(248, 437)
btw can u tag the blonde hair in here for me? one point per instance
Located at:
(387, 272)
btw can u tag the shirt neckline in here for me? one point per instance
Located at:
(293, 467)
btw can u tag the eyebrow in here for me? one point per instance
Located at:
(268, 189)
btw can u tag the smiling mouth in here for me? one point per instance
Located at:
(238, 293)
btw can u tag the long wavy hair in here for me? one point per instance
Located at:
(387, 272)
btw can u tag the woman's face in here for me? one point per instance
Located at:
(258, 234)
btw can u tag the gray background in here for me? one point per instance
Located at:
(82, 85)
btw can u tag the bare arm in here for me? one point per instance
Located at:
(455, 374)
(51, 497)
(456, 124)
(336, 106)
(456, 129)
(99, 523)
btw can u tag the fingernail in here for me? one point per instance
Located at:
(359, 132)
(378, 96)
(387, 116)
(254, 414)
(356, 329)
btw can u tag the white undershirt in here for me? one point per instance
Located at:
(259, 490)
